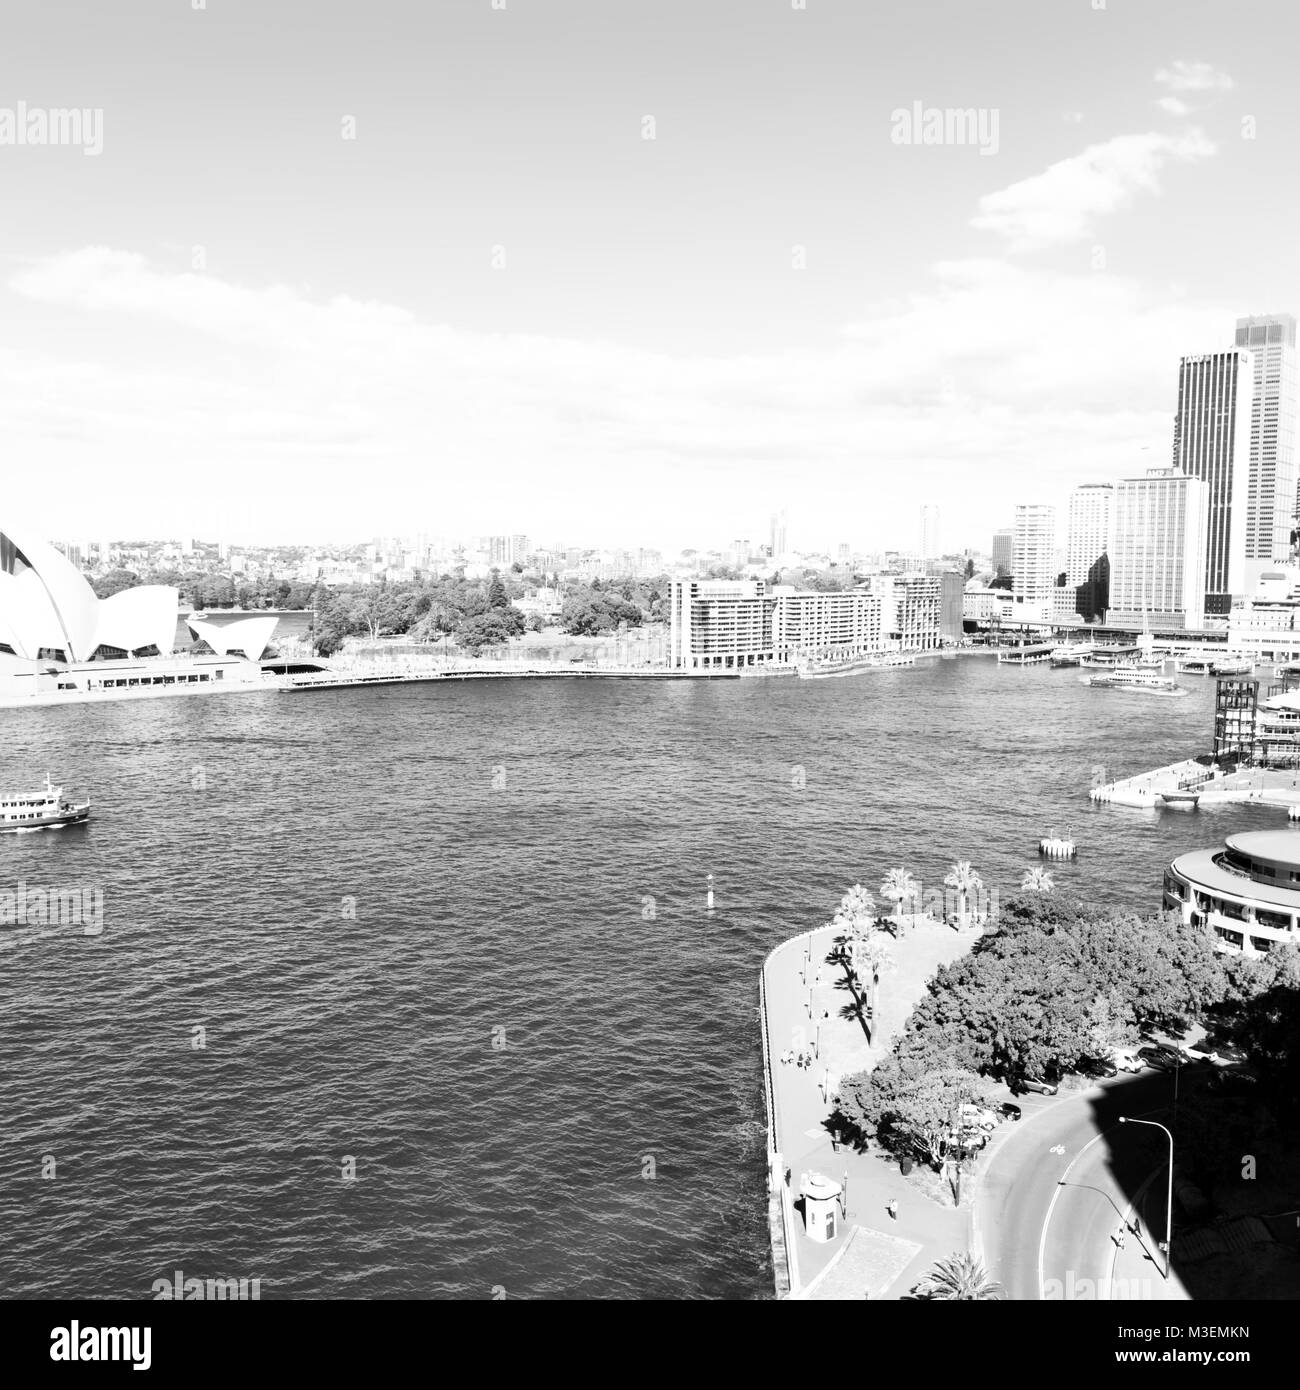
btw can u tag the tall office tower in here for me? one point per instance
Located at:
(779, 542)
(1212, 442)
(1003, 545)
(843, 553)
(1087, 566)
(1033, 541)
(1160, 527)
(519, 550)
(929, 531)
(1272, 502)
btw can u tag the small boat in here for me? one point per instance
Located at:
(41, 810)
(1184, 800)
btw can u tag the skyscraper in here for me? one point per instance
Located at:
(1087, 546)
(779, 541)
(1212, 442)
(1272, 500)
(929, 532)
(1159, 539)
(1033, 541)
(1003, 544)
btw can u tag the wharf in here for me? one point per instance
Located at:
(1211, 786)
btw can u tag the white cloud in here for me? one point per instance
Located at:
(1173, 106)
(1182, 76)
(1063, 203)
(334, 416)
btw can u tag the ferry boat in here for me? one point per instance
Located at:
(1234, 666)
(1193, 665)
(1134, 678)
(1071, 653)
(41, 810)
(1107, 658)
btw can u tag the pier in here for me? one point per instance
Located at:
(1191, 783)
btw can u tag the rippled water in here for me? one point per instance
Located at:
(539, 1049)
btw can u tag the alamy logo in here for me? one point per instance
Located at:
(197, 1290)
(946, 125)
(53, 907)
(39, 125)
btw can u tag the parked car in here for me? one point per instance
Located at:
(1128, 1061)
(1097, 1068)
(1162, 1058)
(1007, 1111)
(974, 1117)
(1037, 1085)
(1233, 1081)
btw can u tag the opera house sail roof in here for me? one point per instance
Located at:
(48, 610)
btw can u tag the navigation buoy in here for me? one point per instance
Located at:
(709, 900)
(1056, 847)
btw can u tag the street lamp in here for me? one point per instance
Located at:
(1169, 1199)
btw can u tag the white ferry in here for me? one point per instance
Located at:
(42, 810)
(1135, 678)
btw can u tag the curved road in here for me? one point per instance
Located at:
(1058, 1183)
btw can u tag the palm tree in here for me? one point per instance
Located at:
(856, 912)
(959, 1278)
(871, 955)
(899, 887)
(1037, 881)
(965, 880)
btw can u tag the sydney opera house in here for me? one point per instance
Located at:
(57, 637)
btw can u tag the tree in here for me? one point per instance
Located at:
(899, 887)
(1037, 881)
(959, 1278)
(970, 569)
(965, 880)
(496, 593)
(490, 629)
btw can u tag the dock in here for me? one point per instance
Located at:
(1036, 655)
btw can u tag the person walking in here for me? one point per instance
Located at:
(892, 1208)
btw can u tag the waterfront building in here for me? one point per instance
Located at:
(1266, 625)
(1271, 502)
(233, 632)
(1159, 540)
(1087, 559)
(1033, 575)
(1212, 442)
(1247, 893)
(986, 607)
(746, 623)
(49, 612)
(1003, 550)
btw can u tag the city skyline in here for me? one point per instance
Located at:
(324, 307)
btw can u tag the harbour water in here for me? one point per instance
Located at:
(453, 939)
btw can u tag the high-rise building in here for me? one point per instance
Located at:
(929, 531)
(778, 538)
(1087, 567)
(1003, 546)
(1212, 442)
(1032, 553)
(1159, 540)
(1272, 500)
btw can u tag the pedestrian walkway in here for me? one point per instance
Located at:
(809, 1014)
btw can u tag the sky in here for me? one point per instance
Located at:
(622, 272)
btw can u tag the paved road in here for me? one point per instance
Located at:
(1059, 1183)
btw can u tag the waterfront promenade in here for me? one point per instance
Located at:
(1261, 786)
(804, 1003)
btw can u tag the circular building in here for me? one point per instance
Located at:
(1247, 893)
